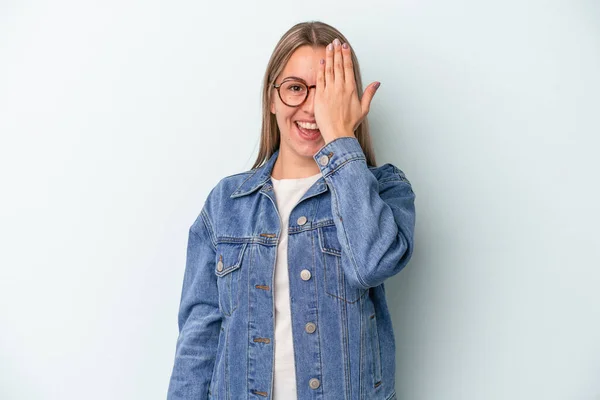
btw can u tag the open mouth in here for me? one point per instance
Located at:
(309, 134)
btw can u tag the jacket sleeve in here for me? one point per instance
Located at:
(199, 317)
(375, 218)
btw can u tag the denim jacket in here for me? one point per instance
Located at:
(351, 231)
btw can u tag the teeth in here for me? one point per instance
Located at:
(307, 125)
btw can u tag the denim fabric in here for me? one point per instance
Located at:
(351, 230)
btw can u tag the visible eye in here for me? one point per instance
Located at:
(294, 88)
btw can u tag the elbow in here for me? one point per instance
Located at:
(391, 261)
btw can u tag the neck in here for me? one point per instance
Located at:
(291, 166)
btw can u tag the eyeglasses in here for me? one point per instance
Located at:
(293, 92)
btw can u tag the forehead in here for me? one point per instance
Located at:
(304, 63)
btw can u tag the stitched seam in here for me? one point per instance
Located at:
(357, 158)
(362, 356)
(209, 227)
(321, 388)
(358, 276)
(346, 341)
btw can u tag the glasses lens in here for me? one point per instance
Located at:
(293, 93)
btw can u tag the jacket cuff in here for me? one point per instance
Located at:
(337, 152)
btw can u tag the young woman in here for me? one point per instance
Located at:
(283, 294)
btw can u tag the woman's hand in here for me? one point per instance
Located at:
(338, 111)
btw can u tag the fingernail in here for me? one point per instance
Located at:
(336, 41)
(345, 45)
(330, 46)
(377, 85)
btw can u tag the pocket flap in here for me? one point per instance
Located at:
(229, 257)
(328, 240)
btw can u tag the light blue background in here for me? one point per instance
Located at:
(118, 117)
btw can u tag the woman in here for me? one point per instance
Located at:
(283, 294)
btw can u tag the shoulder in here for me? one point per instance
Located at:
(222, 191)
(219, 196)
(388, 173)
(228, 184)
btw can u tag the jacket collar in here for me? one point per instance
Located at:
(262, 175)
(258, 178)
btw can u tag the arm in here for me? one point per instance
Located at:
(199, 317)
(374, 219)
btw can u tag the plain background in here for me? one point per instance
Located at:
(118, 117)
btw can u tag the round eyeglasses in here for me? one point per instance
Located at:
(293, 92)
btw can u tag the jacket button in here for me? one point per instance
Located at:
(220, 266)
(302, 220)
(305, 274)
(323, 160)
(314, 383)
(310, 327)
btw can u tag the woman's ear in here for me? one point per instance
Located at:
(272, 107)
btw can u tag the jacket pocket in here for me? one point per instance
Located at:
(375, 350)
(228, 263)
(216, 380)
(336, 283)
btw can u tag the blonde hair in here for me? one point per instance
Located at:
(315, 34)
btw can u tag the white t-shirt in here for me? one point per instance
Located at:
(287, 194)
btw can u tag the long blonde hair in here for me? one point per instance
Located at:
(316, 34)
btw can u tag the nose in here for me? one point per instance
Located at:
(309, 102)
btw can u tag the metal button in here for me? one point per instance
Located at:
(310, 327)
(305, 274)
(314, 383)
(323, 160)
(302, 220)
(220, 266)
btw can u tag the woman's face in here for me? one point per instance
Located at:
(304, 63)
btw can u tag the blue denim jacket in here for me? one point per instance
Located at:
(351, 230)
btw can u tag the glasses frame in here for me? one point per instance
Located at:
(277, 86)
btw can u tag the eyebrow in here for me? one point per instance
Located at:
(292, 77)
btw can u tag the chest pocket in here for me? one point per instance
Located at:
(228, 268)
(336, 284)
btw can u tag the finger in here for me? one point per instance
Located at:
(365, 102)
(321, 75)
(348, 66)
(338, 62)
(329, 65)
